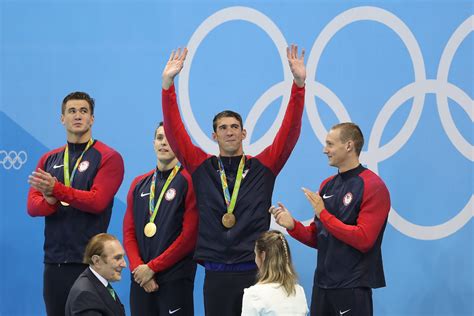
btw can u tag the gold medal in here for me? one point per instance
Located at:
(64, 203)
(228, 220)
(150, 230)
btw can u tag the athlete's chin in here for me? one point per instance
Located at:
(165, 156)
(230, 150)
(79, 130)
(332, 163)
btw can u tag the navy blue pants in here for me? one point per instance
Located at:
(172, 298)
(57, 282)
(341, 302)
(223, 291)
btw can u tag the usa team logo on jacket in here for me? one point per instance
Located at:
(83, 166)
(170, 194)
(347, 198)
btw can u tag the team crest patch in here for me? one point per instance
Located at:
(347, 198)
(83, 166)
(170, 194)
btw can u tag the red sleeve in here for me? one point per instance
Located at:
(37, 205)
(305, 234)
(276, 155)
(372, 216)
(189, 155)
(129, 239)
(106, 183)
(186, 241)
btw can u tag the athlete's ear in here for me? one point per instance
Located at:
(244, 134)
(62, 119)
(214, 136)
(349, 145)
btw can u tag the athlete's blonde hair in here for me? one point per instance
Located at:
(350, 131)
(276, 266)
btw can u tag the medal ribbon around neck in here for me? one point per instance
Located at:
(68, 179)
(153, 209)
(230, 201)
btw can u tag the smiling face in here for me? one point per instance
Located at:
(77, 118)
(162, 148)
(336, 150)
(111, 262)
(229, 135)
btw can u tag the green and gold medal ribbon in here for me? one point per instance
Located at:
(68, 179)
(230, 201)
(153, 209)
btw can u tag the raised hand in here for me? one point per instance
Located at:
(173, 67)
(296, 63)
(282, 216)
(316, 201)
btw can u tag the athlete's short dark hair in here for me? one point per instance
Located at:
(78, 95)
(226, 113)
(156, 129)
(350, 131)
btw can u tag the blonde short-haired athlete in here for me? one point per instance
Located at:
(351, 211)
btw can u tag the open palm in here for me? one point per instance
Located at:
(174, 65)
(296, 63)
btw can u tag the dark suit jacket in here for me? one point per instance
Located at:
(89, 297)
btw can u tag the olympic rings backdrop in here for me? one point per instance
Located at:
(402, 70)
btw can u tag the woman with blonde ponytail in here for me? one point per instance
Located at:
(277, 291)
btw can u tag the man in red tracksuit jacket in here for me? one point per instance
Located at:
(73, 187)
(160, 231)
(233, 190)
(351, 211)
